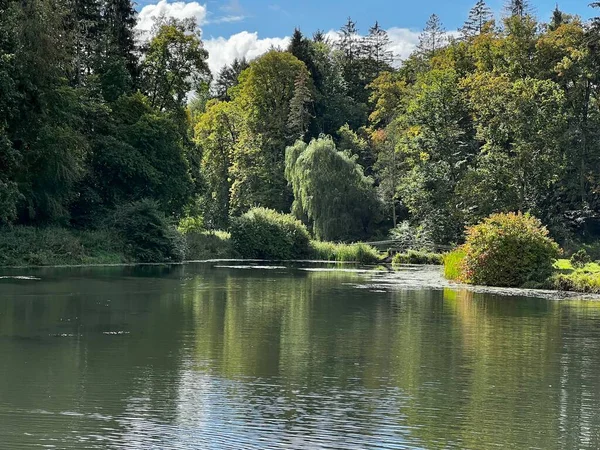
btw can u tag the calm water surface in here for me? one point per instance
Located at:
(207, 357)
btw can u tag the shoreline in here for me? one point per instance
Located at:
(419, 277)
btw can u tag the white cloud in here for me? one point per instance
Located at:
(402, 42)
(178, 10)
(222, 51)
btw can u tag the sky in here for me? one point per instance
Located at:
(247, 28)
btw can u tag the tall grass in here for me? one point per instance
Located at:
(331, 251)
(453, 264)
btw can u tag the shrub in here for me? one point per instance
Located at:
(208, 245)
(266, 234)
(578, 282)
(409, 237)
(330, 251)
(32, 246)
(453, 264)
(580, 258)
(191, 224)
(508, 250)
(416, 257)
(147, 234)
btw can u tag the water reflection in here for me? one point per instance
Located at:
(200, 356)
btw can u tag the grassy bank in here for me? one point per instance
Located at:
(416, 257)
(31, 246)
(330, 251)
(34, 246)
(568, 278)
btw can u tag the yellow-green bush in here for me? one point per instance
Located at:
(508, 250)
(266, 234)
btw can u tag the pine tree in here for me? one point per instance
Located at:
(120, 18)
(479, 15)
(228, 77)
(377, 47)
(350, 42)
(84, 23)
(300, 107)
(319, 36)
(433, 36)
(519, 8)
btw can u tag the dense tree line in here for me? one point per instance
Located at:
(502, 116)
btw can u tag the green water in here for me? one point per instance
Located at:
(205, 357)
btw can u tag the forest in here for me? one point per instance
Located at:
(98, 124)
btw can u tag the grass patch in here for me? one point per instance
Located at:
(331, 251)
(33, 246)
(416, 257)
(201, 245)
(453, 264)
(568, 278)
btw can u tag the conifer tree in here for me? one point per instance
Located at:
(479, 15)
(120, 17)
(228, 77)
(377, 47)
(433, 36)
(518, 8)
(350, 41)
(300, 106)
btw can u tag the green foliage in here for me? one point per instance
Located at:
(191, 224)
(147, 234)
(454, 264)
(266, 234)
(508, 250)
(331, 251)
(577, 282)
(263, 96)
(37, 246)
(203, 245)
(330, 191)
(416, 257)
(174, 64)
(409, 237)
(580, 258)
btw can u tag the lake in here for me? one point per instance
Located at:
(213, 356)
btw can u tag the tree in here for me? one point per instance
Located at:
(518, 8)
(377, 49)
(174, 64)
(300, 106)
(331, 191)
(479, 15)
(263, 96)
(433, 36)
(228, 77)
(216, 133)
(120, 19)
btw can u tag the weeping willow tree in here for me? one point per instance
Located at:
(331, 192)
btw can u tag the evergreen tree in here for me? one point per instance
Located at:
(120, 17)
(433, 36)
(319, 36)
(228, 78)
(300, 106)
(377, 50)
(350, 42)
(479, 15)
(518, 8)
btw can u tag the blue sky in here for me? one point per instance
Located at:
(247, 28)
(277, 18)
